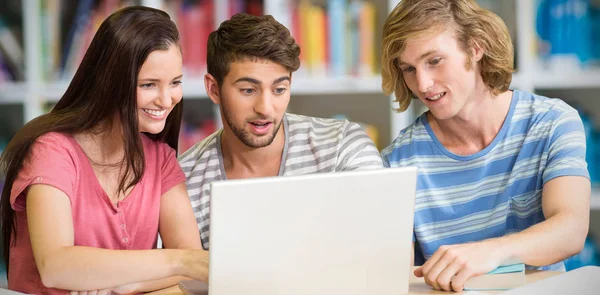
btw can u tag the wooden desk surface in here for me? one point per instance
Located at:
(417, 285)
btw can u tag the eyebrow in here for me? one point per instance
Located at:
(423, 56)
(254, 81)
(157, 80)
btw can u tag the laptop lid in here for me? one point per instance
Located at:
(326, 233)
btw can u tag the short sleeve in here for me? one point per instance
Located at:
(50, 161)
(171, 172)
(357, 150)
(566, 148)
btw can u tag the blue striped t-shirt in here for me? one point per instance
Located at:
(496, 191)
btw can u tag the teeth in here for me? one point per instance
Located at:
(436, 97)
(155, 113)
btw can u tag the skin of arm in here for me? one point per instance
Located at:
(566, 207)
(178, 230)
(65, 266)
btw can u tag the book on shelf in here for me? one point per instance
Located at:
(568, 33)
(68, 27)
(336, 37)
(11, 54)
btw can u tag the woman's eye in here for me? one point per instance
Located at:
(147, 85)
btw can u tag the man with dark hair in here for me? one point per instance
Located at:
(502, 175)
(250, 64)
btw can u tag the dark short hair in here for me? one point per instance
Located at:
(246, 36)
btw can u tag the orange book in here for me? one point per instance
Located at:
(366, 27)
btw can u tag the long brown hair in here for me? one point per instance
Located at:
(103, 87)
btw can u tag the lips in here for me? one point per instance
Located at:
(155, 113)
(260, 127)
(260, 123)
(435, 97)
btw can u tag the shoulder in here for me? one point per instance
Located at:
(322, 128)
(316, 131)
(541, 107)
(55, 145)
(544, 117)
(57, 138)
(199, 152)
(300, 122)
(407, 138)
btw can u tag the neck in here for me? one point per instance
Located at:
(241, 161)
(103, 146)
(477, 124)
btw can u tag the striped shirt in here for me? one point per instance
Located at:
(312, 145)
(496, 191)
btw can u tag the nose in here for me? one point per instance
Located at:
(165, 99)
(264, 104)
(424, 80)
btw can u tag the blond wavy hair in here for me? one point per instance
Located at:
(473, 25)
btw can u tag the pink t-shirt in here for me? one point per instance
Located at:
(57, 159)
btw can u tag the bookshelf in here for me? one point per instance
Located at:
(358, 96)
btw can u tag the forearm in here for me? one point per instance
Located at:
(86, 268)
(547, 242)
(160, 284)
(201, 272)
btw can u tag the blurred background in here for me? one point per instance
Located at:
(557, 50)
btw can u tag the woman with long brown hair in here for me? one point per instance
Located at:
(90, 185)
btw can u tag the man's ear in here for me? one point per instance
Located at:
(212, 88)
(477, 51)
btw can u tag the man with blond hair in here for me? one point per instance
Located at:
(502, 173)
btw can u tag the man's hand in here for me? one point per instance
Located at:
(450, 266)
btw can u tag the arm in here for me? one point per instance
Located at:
(65, 266)
(178, 230)
(565, 217)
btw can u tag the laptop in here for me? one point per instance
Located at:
(326, 233)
